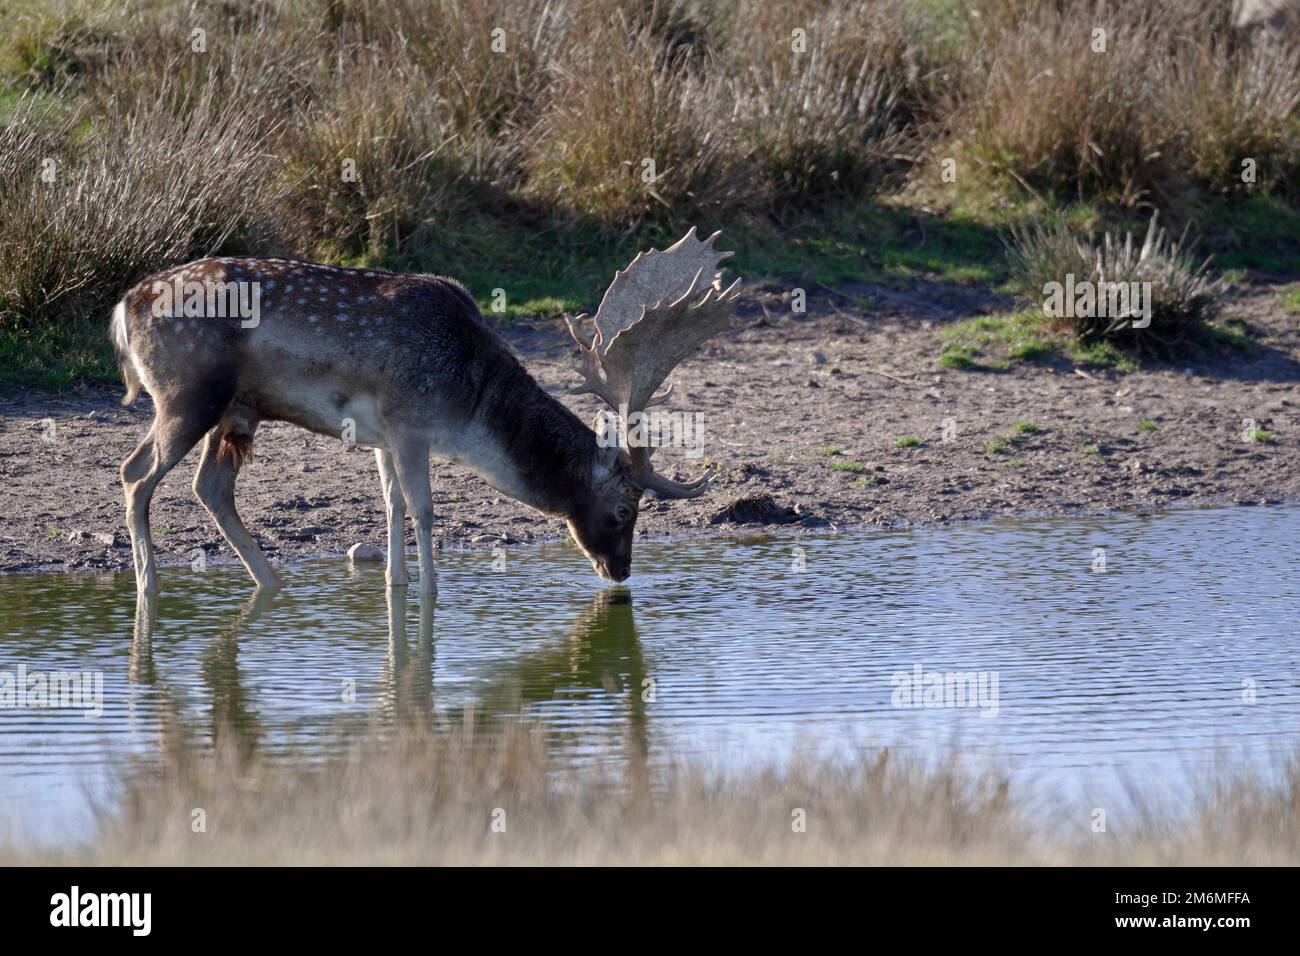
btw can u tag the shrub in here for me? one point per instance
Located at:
(377, 166)
(147, 192)
(1183, 293)
(1179, 97)
(829, 120)
(616, 101)
(1033, 100)
(1225, 103)
(487, 60)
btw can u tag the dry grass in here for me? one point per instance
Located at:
(633, 133)
(1230, 102)
(472, 118)
(829, 120)
(379, 167)
(559, 104)
(1162, 114)
(1032, 100)
(433, 798)
(84, 216)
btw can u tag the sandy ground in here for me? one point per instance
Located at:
(773, 394)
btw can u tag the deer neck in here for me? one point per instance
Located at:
(531, 447)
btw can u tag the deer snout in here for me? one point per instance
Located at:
(611, 569)
(609, 553)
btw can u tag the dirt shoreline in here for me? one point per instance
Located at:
(775, 394)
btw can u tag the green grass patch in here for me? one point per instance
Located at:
(851, 467)
(1290, 296)
(1147, 425)
(1100, 353)
(1262, 436)
(56, 357)
(872, 241)
(1258, 233)
(1230, 332)
(518, 272)
(1020, 432)
(997, 341)
(959, 357)
(907, 441)
(1031, 350)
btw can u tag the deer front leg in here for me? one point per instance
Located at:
(412, 463)
(395, 506)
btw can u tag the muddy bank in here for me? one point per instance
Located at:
(807, 409)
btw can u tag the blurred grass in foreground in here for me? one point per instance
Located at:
(421, 797)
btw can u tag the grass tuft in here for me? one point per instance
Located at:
(852, 467)
(1049, 263)
(1019, 337)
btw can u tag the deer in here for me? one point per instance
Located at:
(411, 365)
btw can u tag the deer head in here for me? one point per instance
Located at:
(655, 313)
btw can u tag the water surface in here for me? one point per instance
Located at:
(1179, 656)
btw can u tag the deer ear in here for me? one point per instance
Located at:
(608, 433)
(607, 456)
(606, 427)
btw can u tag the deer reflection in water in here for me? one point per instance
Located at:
(406, 681)
(233, 717)
(599, 657)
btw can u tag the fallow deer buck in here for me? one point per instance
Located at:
(410, 362)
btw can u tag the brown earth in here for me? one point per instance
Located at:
(774, 394)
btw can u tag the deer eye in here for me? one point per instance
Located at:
(622, 513)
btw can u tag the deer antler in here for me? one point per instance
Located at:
(652, 316)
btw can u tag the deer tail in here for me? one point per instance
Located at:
(122, 349)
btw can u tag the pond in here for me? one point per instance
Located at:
(1088, 656)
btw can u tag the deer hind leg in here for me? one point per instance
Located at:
(395, 506)
(224, 452)
(141, 473)
(177, 427)
(412, 463)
